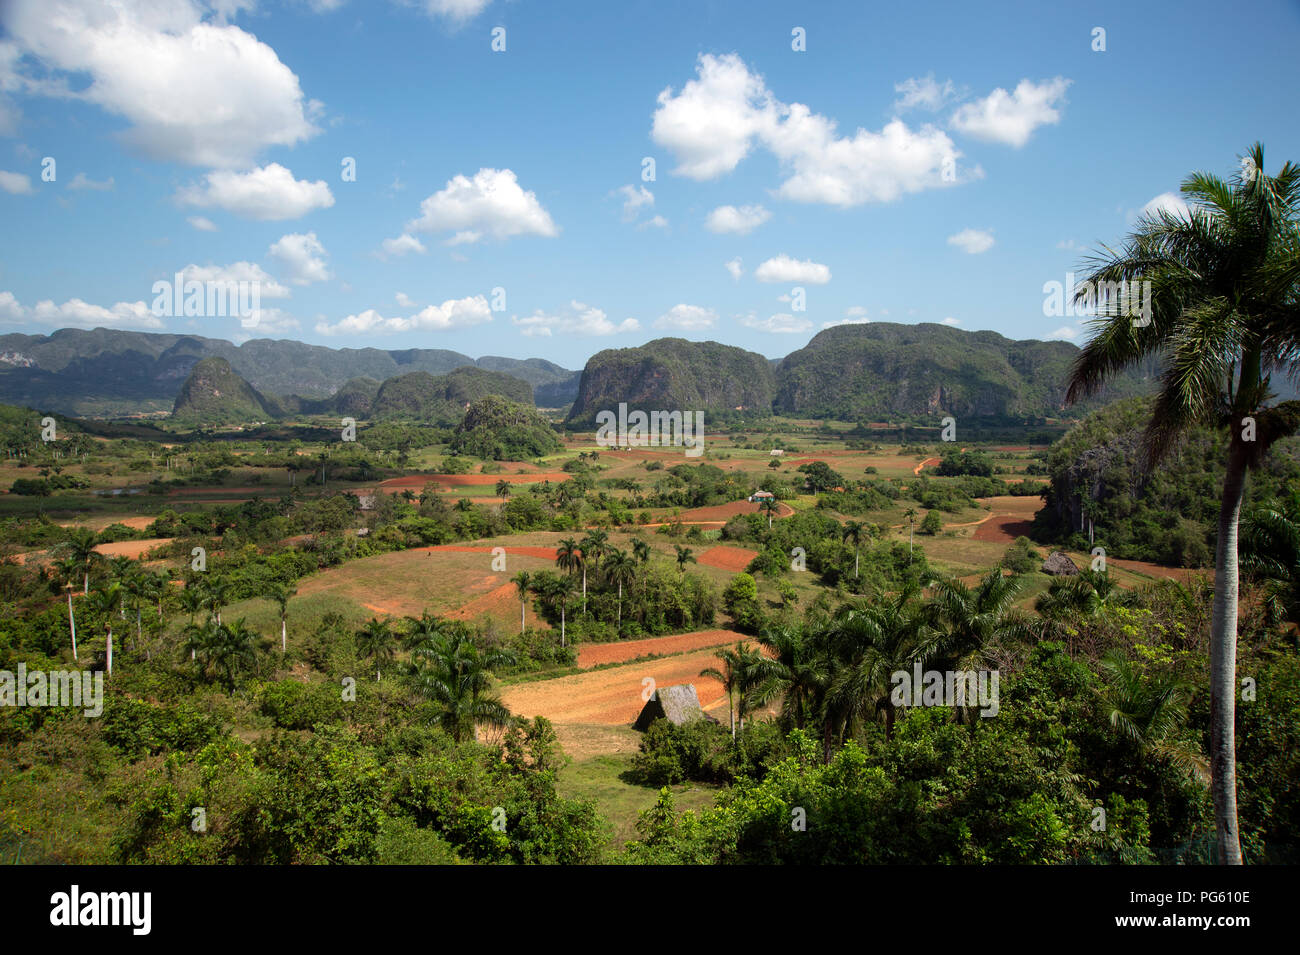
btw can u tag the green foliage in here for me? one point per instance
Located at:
(499, 429)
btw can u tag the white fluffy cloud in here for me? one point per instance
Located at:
(205, 93)
(780, 324)
(404, 300)
(267, 193)
(301, 258)
(687, 318)
(1011, 118)
(80, 314)
(1064, 333)
(853, 315)
(1170, 202)
(733, 268)
(782, 268)
(267, 287)
(202, 223)
(450, 315)
(718, 117)
(951, 321)
(456, 11)
(15, 183)
(82, 181)
(269, 321)
(492, 204)
(972, 241)
(924, 93)
(576, 319)
(739, 221)
(401, 245)
(634, 199)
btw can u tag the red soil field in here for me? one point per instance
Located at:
(471, 480)
(131, 548)
(727, 558)
(546, 553)
(613, 696)
(591, 654)
(721, 513)
(490, 602)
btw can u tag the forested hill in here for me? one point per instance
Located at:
(671, 374)
(88, 371)
(880, 371)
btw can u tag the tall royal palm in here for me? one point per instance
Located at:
(281, 594)
(522, 580)
(1224, 317)
(67, 571)
(621, 570)
(80, 547)
(376, 642)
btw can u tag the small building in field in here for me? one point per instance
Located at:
(1059, 565)
(678, 705)
(776, 452)
(760, 496)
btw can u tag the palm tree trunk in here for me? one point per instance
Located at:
(109, 651)
(620, 604)
(72, 625)
(1223, 660)
(522, 625)
(561, 625)
(284, 635)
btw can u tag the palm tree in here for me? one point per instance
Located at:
(875, 640)
(853, 531)
(456, 676)
(1270, 554)
(521, 581)
(593, 547)
(1148, 709)
(684, 556)
(1069, 600)
(621, 569)
(104, 603)
(68, 570)
(423, 632)
(199, 638)
(282, 594)
(747, 676)
(503, 490)
(1223, 319)
(376, 641)
(193, 599)
(770, 505)
(568, 555)
(968, 619)
(80, 547)
(909, 515)
(641, 551)
(215, 591)
(561, 591)
(798, 671)
(235, 648)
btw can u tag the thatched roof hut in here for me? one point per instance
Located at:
(1058, 565)
(678, 704)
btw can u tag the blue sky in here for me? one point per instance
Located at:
(914, 163)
